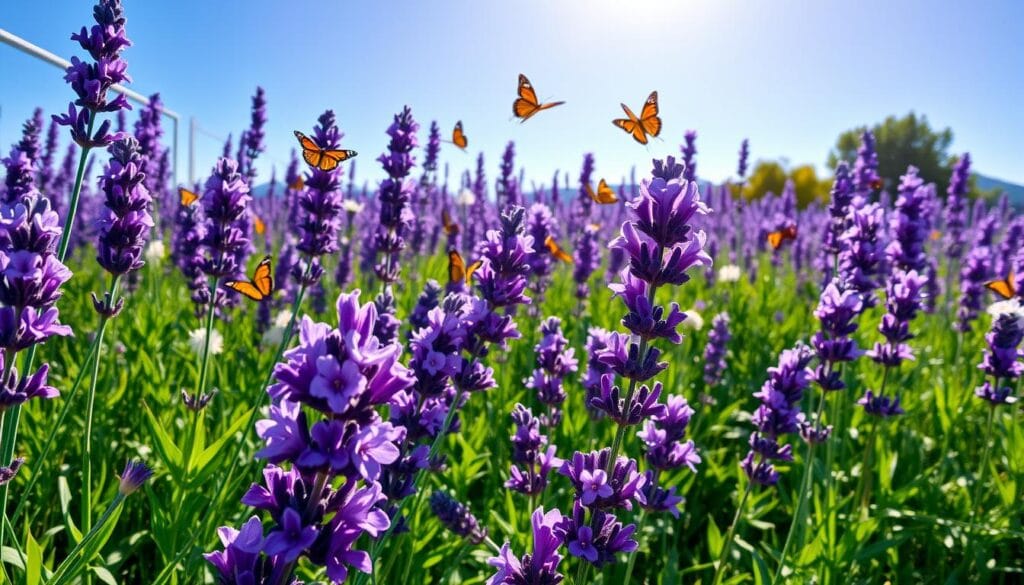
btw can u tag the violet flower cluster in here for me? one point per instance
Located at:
(539, 567)
(837, 311)
(716, 349)
(455, 516)
(225, 201)
(325, 427)
(689, 152)
(555, 359)
(862, 254)
(532, 457)
(910, 225)
(91, 81)
(124, 224)
(865, 169)
(778, 414)
(1001, 360)
(956, 207)
(586, 259)
(320, 207)
(394, 193)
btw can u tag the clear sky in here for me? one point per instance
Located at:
(788, 75)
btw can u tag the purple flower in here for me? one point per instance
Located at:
(597, 340)
(716, 349)
(595, 487)
(880, 405)
(457, 517)
(320, 202)
(903, 301)
(741, 169)
(586, 259)
(975, 271)
(538, 568)
(865, 168)
(291, 538)
(840, 199)
(252, 139)
(836, 311)
(225, 200)
(125, 224)
(597, 541)
(663, 436)
(862, 252)
(956, 207)
(1001, 359)
(689, 151)
(133, 477)
(910, 224)
(555, 359)
(532, 457)
(394, 193)
(506, 194)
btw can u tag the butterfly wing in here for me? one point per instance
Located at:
(473, 268)
(775, 239)
(258, 225)
(556, 250)
(548, 105)
(649, 120)
(605, 195)
(590, 192)
(263, 277)
(450, 227)
(631, 125)
(1002, 287)
(331, 158)
(246, 288)
(187, 197)
(311, 151)
(298, 185)
(459, 137)
(456, 267)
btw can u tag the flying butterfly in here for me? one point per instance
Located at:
(459, 137)
(317, 157)
(777, 238)
(187, 197)
(258, 225)
(261, 284)
(1005, 287)
(526, 105)
(298, 184)
(457, 269)
(556, 251)
(450, 227)
(935, 235)
(647, 124)
(604, 194)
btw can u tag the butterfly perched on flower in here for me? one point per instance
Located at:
(450, 227)
(526, 105)
(260, 286)
(1004, 287)
(298, 184)
(604, 194)
(779, 237)
(323, 159)
(557, 251)
(187, 197)
(459, 137)
(457, 269)
(647, 124)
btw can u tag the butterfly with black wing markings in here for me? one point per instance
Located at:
(647, 124)
(260, 286)
(527, 104)
(320, 158)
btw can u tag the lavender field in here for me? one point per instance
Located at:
(461, 371)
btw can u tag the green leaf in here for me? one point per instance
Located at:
(165, 447)
(34, 558)
(64, 496)
(104, 575)
(714, 538)
(201, 460)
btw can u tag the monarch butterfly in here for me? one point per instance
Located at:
(457, 269)
(556, 251)
(604, 194)
(1005, 288)
(648, 124)
(187, 197)
(261, 285)
(258, 226)
(298, 184)
(459, 137)
(316, 157)
(526, 105)
(777, 238)
(450, 227)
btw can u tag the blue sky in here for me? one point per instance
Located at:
(788, 75)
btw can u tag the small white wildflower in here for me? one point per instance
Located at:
(155, 252)
(693, 320)
(729, 273)
(275, 334)
(352, 206)
(197, 341)
(1007, 307)
(466, 197)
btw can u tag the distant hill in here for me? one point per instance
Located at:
(1016, 192)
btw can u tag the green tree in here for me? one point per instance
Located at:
(771, 176)
(900, 142)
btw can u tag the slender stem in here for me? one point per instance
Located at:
(723, 558)
(805, 484)
(69, 220)
(70, 564)
(90, 408)
(582, 572)
(190, 442)
(983, 471)
(634, 554)
(866, 474)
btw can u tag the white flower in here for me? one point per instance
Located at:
(466, 197)
(693, 320)
(1007, 307)
(155, 252)
(352, 206)
(197, 341)
(729, 273)
(275, 334)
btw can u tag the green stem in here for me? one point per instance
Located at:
(723, 558)
(983, 471)
(190, 442)
(634, 554)
(69, 220)
(866, 474)
(90, 408)
(69, 567)
(805, 484)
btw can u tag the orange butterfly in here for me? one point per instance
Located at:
(258, 225)
(604, 195)
(777, 238)
(556, 251)
(459, 137)
(1005, 288)
(526, 105)
(298, 184)
(457, 269)
(450, 227)
(648, 124)
(316, 157)
(876, 184)
(187, 197)
(261, 285)
(935, 235)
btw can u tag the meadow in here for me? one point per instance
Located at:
(442, 379)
